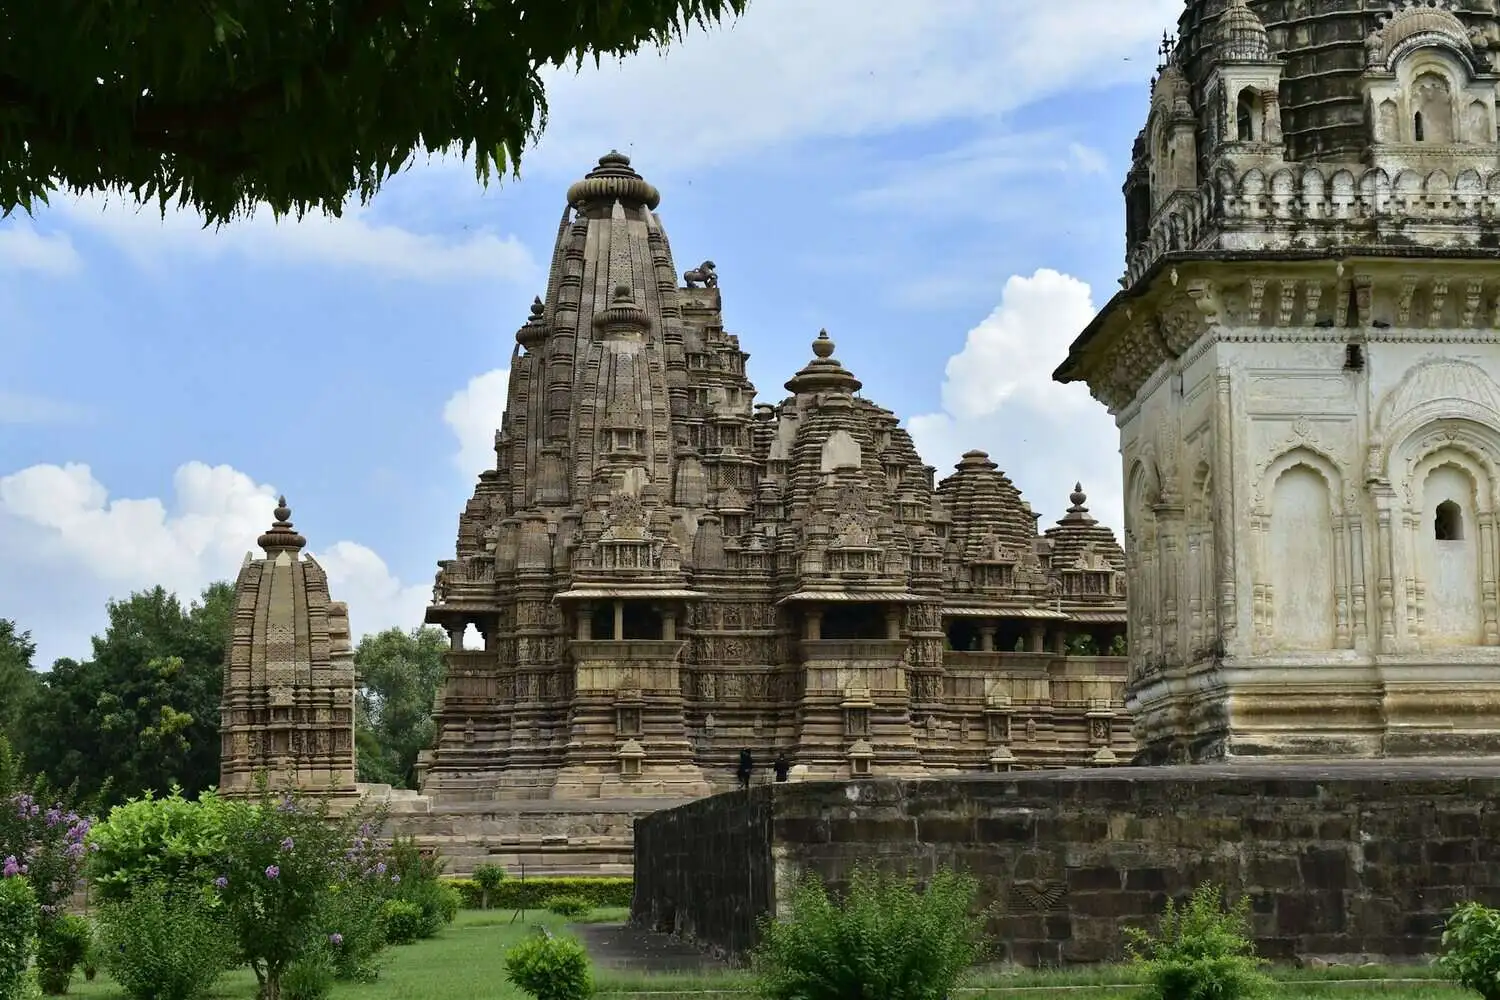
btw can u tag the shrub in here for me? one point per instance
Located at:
(601, 891)
(550, 967)
(352, 923)
(568, 906)
(18, 916)
(150, 838)
(885, 940)
(488, 878)
(437, 902)
(403, 921)
(310, 977)
(164, 941)
(43, 842)
(1201, 951)
(1470, 953)
(61, 947)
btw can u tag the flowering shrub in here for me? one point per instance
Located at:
(40, 837)
(169, 838)
(163, 940)
(402, 920)
(18, 917)
(287, 868)
(61, 946)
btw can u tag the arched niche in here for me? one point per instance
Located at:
(1202, 576)
(1142, 493)
(1447, 472)
(1301, 550)
(1249, 115)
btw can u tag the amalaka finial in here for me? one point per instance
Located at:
(281, 537)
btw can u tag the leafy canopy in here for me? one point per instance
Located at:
(400, 673)
(227, 104)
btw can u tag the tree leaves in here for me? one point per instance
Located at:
(400, 673)
(230, 104)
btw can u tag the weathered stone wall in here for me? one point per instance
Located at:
(709, 873)
(1339, 861)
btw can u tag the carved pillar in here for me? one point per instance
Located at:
(1385, 561)
(455, 636)
(1340, 582)
(669, 624)
(1224, 507)
(1195, 593)
(893, 623)
(813, 624)
(986, 638)
(585, 623)
(1487, 588)
(1261, 596)
(1416, 589)
(619, 621)
(1038, 638)
(1169, 547)
(1361, 634)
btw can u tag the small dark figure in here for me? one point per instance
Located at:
(782, 767)
(747, 767)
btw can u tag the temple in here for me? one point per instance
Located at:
(665, 573)
(1303, 361)
(287, 715)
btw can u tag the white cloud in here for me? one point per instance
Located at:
(78, 548)
(22, 248)
(354, 241)
(843, 68)
(473, 414)
(998, 395)
(25, 408)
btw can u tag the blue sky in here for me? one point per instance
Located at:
(936, 184)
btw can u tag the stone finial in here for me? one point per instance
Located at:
(614, 180)
(1078, 498)
(1241, 35)
(823, 373)
(281, 537)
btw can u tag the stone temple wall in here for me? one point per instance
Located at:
(1348, 862)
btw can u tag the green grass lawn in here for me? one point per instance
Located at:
(466, 962)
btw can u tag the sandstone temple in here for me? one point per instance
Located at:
(1303, 361)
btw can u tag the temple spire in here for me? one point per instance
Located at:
(281, 537)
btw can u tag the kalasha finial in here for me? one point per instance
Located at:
(823, 346)
(1078, 497)
(281, 537)
(537, 307)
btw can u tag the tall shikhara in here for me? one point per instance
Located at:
(665, 573)
(288, 705)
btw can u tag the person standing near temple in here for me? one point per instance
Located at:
(747, 767)
(782, 767)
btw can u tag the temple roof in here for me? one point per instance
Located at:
(1078, 539)
(986, 508)
(823, 373)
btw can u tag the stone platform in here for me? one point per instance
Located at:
(543, 836)
(1344, 862)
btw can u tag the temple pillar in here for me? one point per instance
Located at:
(986, 638)
(619, 621)
(669, 624)
(1038, 638)
(585, 623)
(893, 623)
(813, 625)
(455, 637)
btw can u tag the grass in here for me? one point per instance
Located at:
(468, 960)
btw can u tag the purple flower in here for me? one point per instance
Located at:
(273, 871)
(221, 882)
(335, 939)
(395, 879)
(287, 845)
(54, 816)
(380, 868)
(11, 868)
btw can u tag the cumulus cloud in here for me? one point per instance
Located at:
(998, 395)
(473, 414)
(68, 547)
(894, 66)
(22, 248)
(355, 241)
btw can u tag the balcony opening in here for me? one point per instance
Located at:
(642, 621)
(854, 621)
(1448, 524)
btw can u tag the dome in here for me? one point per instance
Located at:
(1416, 24)
(1241, 37)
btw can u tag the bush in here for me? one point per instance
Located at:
(353, 925)
(550, 968)
(311, 977)
(437, 902)
(403, 921)
(164, 941)
(568, 906)
(147, 839)
(18, 915)
(1470, 953)
(61, 947)
(1201, 951)
(488, 878)
(601, 891)
(885, 940)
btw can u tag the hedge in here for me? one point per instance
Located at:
(514, 894)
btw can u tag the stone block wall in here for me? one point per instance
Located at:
(1344, 862)
(710, 871)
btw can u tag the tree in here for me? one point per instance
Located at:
(143, 712)
(400, 673)
(228, 104)
(18, 681)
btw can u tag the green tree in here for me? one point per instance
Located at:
(143, 712)
(400, 673)
(228, 104)
(18, 681)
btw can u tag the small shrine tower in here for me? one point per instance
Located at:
(288, 703)
(1303, 362)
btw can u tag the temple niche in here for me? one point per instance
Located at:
(1303, 363)
(666, 572)
(287, 714)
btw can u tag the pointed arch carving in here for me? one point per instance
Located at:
(1274, 527)
(1142, 568)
